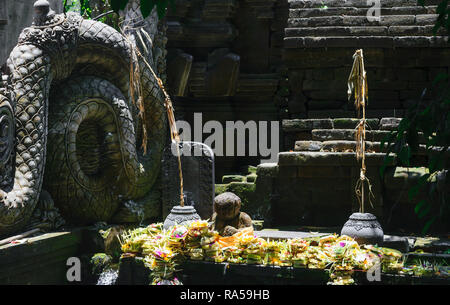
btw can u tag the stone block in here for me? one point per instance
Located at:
(232, 178)
(287, 171)
(389, 123)
(350, 123)
(308, 146)
(296, 125)
(405, 30)
(198, 169)
(251, 178)
(426, 19)
(324, 171)
(267, 170)
(397, 20)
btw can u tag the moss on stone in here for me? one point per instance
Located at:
(233, 178)
(251, 169)
(251, 178)
(100, 261)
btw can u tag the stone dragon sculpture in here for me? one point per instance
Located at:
(66, 108)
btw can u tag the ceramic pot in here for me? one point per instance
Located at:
(364, 228)
(180, 215)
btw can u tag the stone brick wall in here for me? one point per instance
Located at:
(234, 48)
(401, 55)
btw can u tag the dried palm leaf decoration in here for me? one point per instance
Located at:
(357, 87)
(136, 88)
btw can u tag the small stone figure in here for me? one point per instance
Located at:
(228, 218)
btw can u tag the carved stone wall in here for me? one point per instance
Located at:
(231, 61)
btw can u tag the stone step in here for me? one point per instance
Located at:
(366, 42)
(327, 31)
(354, 11)
(390, 20)
(350, 123)
(303, 158)
(355, 3)
(346, 134)
(299, 125)
(334, 146)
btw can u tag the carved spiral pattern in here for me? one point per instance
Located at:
(87, 65)
(6, 131)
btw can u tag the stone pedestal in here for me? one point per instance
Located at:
(180, 215)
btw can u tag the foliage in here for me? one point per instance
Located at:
(428, 121)
(99, 10)
(146, 6)
(84, 5)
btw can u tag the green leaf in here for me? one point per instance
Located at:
(424, 211)
(405, 155)
(147, 7)
(440, 77)
(427, 225)
(161, 9)
(387, 161)
(419, 206)
(442, 7)
(118, 5)
(416, 188)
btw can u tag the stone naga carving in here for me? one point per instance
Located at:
(68, 94)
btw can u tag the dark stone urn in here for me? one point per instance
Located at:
(364, 228)
(180, 215)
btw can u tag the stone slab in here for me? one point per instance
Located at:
(326, 158)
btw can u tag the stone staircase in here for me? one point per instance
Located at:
(334, 135)
(344, 23)
(402, 56)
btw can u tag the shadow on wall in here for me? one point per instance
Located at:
(14, 17)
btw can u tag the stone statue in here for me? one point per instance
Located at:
(228, 218)
(66, 107)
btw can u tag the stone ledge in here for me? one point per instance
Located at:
(267, 170)
(326, 159)
(366, 41)
(40, 260)
(354, 3)
(296, 125)
(346, 134)
(355, 11)
(343, 20)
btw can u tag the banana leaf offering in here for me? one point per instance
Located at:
(163, 250)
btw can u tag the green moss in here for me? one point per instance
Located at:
(220, 188)
(232, 178)
(99, 262)
(251, 169)
(251, 178)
